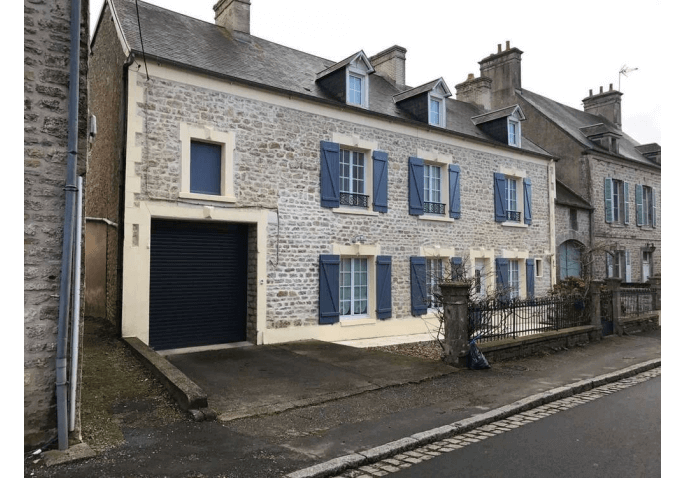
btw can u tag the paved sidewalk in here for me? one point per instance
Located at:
(280, 443)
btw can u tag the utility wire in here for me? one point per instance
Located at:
(140, 34)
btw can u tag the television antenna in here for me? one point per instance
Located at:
(625, 70)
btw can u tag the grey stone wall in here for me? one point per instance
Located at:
(628, 237)
(277, 166)
(46, 76)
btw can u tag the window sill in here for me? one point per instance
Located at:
(355, 211)
(349, 321)
(207, 197)
(429, 217)
(514, 224)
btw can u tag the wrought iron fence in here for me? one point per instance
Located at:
(497, 319)
(513, 215)
(635, 301)
(434, 207)
(356, 200)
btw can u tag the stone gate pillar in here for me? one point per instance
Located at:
(614, 285)
(456, 322)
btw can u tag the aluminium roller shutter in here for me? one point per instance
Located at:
(198, 283)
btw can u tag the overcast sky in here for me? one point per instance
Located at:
(567, 49)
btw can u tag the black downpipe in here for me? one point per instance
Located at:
(68, 233)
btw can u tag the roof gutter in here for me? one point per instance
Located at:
(68, 239)
(336, 104)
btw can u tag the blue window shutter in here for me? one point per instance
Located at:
(530, 278)
(653, 193)
(206, 168)
(626, 202)
(527, 201)
(416, 186)
(499, 185)
(384, 304)
(330, 182)
(418, 285)
(454, 184)
(608, 199)
(639, 205)
(456, 268)
(501, 278)
(328, 288)
(380, 181)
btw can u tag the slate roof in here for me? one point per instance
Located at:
(421, 89)
(566, 197)
(573, 121)
(497, 114)
(205, 47)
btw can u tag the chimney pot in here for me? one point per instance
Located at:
(500, 47)
(601, 89)
(590, 92)
(470, 76)
(507, 45)
(610, 86)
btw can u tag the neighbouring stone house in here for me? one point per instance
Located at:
(608, 185)
(263, 194)
(47, 30)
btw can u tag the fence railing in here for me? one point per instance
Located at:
(635, 301)
(497, 319)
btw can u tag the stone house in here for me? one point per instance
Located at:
(48, 147)
(608, 185)
(263, 194)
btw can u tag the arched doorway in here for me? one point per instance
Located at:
(569, 259)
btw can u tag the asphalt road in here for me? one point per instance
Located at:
(613, 436)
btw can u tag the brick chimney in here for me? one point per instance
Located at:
(234, 15)
(475, 90)
(608, 105)
(391, 64)
(501, 76)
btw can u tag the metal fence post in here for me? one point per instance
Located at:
(614, 284)
(456, 321)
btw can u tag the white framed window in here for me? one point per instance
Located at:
(513, 213)
(437, 110)
(617, 190)
(357, 83)
(432, 190)
(355, 89)
(354, 287)
(616, 264)
(206, 163)
(434, 275)
(480, 273)
(513, 278)
(514, 133)
(352, 177)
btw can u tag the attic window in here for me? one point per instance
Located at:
(356, 89)
(437, 111)
(514, 133)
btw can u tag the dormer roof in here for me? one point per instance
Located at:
(514, 111)
(599, 130)
(438, 87)
(359, 60)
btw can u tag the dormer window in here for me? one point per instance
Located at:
(425, 103)
(503, 125)
(514, 133)
(348, 80)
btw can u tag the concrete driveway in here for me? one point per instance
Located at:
(255, 380)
